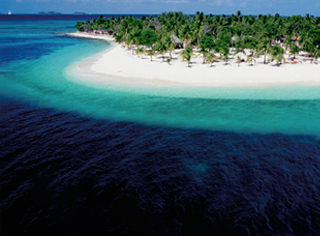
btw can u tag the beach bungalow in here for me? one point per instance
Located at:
(176, 40)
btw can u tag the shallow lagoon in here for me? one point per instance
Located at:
(47, 82)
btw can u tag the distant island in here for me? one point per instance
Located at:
(58, 13)
(80, 13)
(49, 13)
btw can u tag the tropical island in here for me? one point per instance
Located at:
(237, 49)
(49, 13)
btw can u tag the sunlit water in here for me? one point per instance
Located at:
(42, 79)
(110, 159)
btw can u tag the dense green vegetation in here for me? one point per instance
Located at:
(262, 35)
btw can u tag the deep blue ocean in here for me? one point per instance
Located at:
(82, 159)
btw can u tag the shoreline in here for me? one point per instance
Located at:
(118, 65)
(91, 35)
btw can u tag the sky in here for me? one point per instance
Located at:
(254, 7)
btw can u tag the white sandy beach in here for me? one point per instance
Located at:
(119, 64)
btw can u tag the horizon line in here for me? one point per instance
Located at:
(84, 13)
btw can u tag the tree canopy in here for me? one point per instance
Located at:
(262, 34)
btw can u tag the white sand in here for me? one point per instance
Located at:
(92, 36)
(123, 67)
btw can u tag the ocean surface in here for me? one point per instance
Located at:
(82, 159)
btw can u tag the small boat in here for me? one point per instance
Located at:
(9, 12)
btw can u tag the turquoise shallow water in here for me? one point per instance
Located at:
(43, 80)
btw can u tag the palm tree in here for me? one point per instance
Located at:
(277, 54)
(224, 43)
(251, 58)
(239, 60)
(197, 34)
(185, 33)
(316, 54)
(239, 50)
(251, 44)
(161, 48)
(265, 48)
(133, 38)
(169, 59)
(171, 46)
(148, 37)
(140, 51)
(294, 50)
(204, 53)
(310, 38)
(268, 33)
(207, 44)
(186, 54)
(211, 58)
(151, 52)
